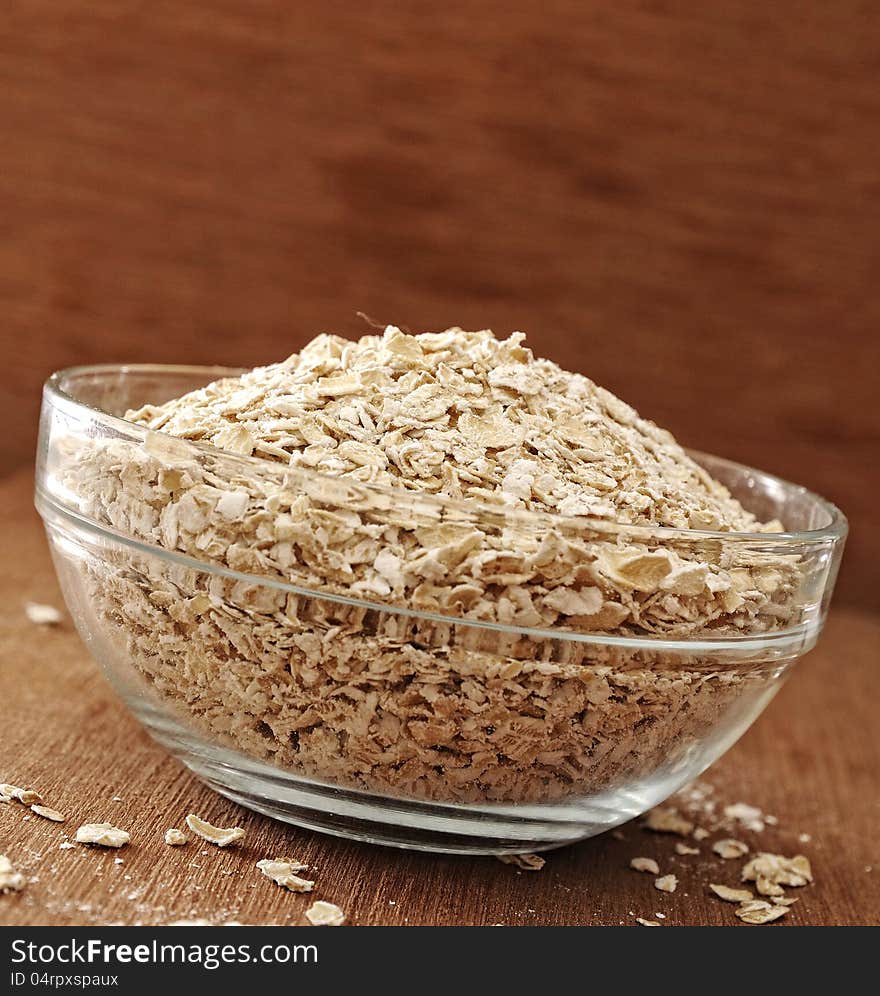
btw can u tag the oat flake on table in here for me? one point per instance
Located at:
(219, 836)
(48, 813)
(778, 870)
(324, 914)
(42, 615)
(666, 883)
(525, 862)
(102, 835)
(414, 708)
(26, 796)
(10, 879)
(730, 848)
(284, 872)
(648, 865)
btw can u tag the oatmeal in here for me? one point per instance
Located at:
(10, 879)
(219, 836)
(645, 865)
(525, 862)
(42, 615)
(729, 848)
(730, 895)
(284, 872)
(666, 883)
(102, 835)
(757, 911)
(26, 796)
(324, 914)
(455, 476)
(778, 870)
(48, 813)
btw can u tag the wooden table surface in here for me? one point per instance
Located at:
(812, 760)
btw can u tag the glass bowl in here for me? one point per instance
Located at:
(553, 677)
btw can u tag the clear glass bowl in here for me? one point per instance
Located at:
(235, 605)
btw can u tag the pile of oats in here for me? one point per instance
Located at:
(457, 476)
(459, 414)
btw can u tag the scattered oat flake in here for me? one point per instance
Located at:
(527, 862)
(778, 870)
(767, 887)
(700, 833)
(645, 865)
(668, 883)
(804, 838)
(748, 816)
(27, 797)
(682, 848)
(66, 845)
(730, 895)
(102, 834)
(729, 848)
(765, 913)
(647, 923)
(283, 873)
(221, 836)
(10, 879)
(750, 905)
(48, 814)
(668, 820)
(324, 914)
(175, 837)
(42, 615)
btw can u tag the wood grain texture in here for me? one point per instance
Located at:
(680, 200)
(811, 760)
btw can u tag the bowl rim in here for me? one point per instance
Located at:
(834, 531)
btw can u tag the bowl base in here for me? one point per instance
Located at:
(418, 824)
(380, 832)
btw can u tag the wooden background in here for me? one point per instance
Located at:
(680, 200)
